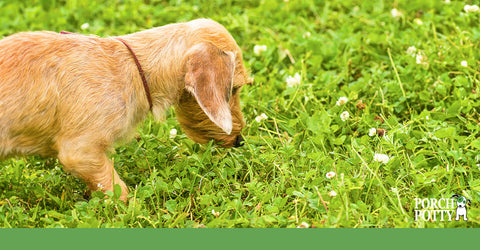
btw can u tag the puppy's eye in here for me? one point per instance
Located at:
(235, 90)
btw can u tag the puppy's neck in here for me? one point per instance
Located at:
(161, 51)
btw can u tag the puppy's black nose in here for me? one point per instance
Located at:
(238, 141)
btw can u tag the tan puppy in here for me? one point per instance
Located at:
(72, 96)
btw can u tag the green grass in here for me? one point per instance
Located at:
(356, 49)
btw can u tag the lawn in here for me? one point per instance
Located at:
(357, 109)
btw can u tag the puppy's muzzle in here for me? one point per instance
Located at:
(238, 141)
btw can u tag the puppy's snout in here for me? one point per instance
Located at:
(238, 141)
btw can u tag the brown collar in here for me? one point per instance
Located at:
(139, 67)
(140, 70)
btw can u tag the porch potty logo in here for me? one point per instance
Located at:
(444, 209)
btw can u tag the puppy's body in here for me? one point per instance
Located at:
(74, 96)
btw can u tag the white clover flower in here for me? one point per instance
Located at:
(418, 21)
(342, 100)
(173, 133)
(382, 158)
(396, 13)
(215, 213)
(412, 50)
(332, 193)
(372, 132)
(293, 81)
(261, 117)
(421, 58)
(306, 34)
(330, 175)
(471, 8)
(447, 1)
(100, 187)
(258, 49)
(84, 26)
(303, 225)
(464, 63)
(344, 116)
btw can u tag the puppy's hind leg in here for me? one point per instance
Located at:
(90, 163)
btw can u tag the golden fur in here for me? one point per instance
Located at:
(74, 96)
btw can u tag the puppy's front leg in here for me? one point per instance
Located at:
(91, 164)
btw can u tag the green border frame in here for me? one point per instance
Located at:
(235, 238)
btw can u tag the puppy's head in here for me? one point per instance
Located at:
(209, 106)
(461, 201)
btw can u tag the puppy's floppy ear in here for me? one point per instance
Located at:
(209, 79)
